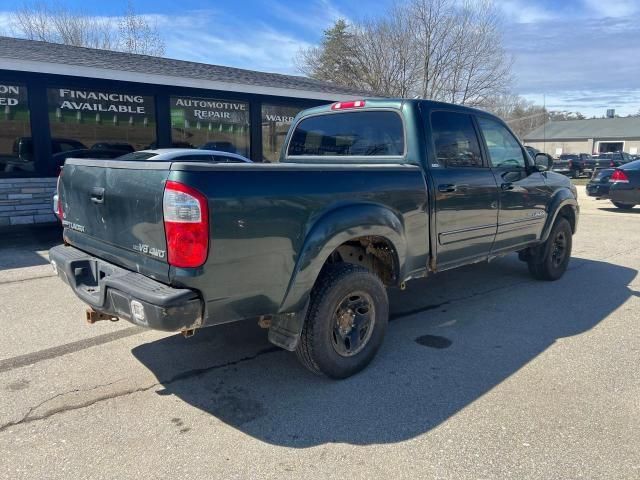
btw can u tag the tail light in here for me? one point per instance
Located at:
(570, 163)
(186, 225)
(58, 197)
(348, 105)
(619, 177)
(611, 164)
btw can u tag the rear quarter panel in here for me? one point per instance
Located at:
(261, 215)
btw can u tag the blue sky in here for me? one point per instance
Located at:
(582, 55)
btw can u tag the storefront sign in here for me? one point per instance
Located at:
(193, 109)
(90, 101)
(12, 95)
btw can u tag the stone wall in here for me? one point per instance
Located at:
(25, 201)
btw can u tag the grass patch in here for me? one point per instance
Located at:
(580, 181)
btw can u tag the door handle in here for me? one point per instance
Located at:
(507, 186)
(447, 188)
(97, 195)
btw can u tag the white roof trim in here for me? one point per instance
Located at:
(127, 76)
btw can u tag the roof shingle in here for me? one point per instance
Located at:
(37, 51)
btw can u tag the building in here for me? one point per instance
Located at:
(55, 98)
(598, 135)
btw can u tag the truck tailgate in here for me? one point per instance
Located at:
(113, 209)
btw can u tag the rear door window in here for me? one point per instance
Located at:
(455, 140)
(349, 134)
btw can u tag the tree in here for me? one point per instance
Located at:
(438, 49)
(137, 36)
(56, 23)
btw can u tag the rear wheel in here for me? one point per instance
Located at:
(575, 174)
(346, 321)
(624, 206)
(549, 261)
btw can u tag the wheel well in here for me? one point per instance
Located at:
(568, 213)
(377, 254)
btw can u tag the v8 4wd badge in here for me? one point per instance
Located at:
(151, 251)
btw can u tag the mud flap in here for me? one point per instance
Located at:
(286, 328)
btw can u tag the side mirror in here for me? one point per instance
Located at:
(543, 162)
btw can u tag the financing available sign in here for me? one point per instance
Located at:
(90, 101)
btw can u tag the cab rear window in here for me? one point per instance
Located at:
(355, 134)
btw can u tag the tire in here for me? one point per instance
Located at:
(550, 260)
(325, 346)
(623, 206)
(575, 174)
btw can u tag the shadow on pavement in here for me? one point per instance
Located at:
(619, 210)
(479, 326)
(19, 247)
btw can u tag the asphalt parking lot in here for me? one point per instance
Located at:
(485, 373)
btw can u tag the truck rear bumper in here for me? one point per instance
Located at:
(121, 293)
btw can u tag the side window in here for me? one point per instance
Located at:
(504, 149)
(455, 140)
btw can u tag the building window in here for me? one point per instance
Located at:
(210, 124)
(276, 120)
(109, 124)
(16, 147)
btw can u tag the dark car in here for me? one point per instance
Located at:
(624, 190)
(598, 186)
(176, 144)
(22, 156)
(120, 146)
(367, 194)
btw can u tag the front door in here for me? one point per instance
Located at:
(465, 191)
(523, 190)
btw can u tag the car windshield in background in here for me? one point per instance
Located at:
(138, 156)
(568, 157)
(356, 134)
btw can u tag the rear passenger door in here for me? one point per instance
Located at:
(523, 190)
(466, 195)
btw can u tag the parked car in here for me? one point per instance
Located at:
(598, 186)
(185, 155)
(22, 156)
(221, 146)
(574, 164)
(120, 146)
(61, 157)
(624, 190)
(356, 203)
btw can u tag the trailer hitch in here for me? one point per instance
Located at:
(94, 316)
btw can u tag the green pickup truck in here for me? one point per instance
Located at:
(367, 195)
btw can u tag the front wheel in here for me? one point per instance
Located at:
(623, 206)
(346, 321)
(550, 260)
